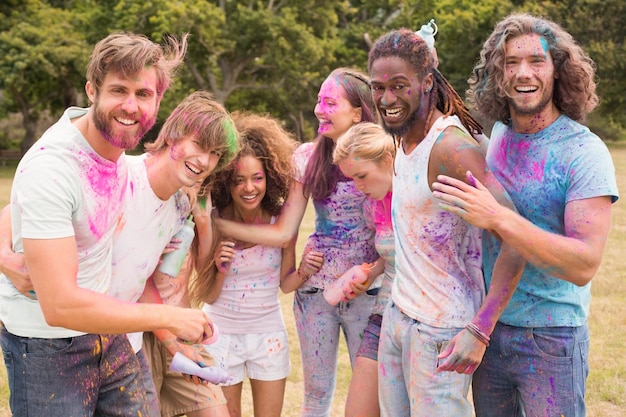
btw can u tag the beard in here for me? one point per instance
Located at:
(124, 140)
(529, 110)
(402, 130)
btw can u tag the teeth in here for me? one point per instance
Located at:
(195, 171)
(127, 122)
(248, 197)
(525, 89)
(395, 112)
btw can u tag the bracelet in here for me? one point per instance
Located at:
(477, 333)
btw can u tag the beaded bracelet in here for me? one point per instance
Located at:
(477, 333)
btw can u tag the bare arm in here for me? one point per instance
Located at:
(223, 259)
(65, 304)
(202, 217)
(290, 278)
(465, 351)
(166, 337)
(574, 257)
(277, 234)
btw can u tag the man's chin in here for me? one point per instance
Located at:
(401, 130)
(396, 131)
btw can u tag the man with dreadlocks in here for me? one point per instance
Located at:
(436, 327)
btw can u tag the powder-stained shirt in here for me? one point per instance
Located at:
(542, 172)
(438, 255)
(63, 187)
(378, 213)
(341, 232)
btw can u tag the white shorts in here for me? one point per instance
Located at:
(262, 356)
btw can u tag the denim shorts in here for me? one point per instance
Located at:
(371, 337)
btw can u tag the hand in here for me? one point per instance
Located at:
(193, 352)
(190, 325)
(224, 255)
(311, 263)
(463, 354)
(472, 201)
(172, 245)
(14, 267)
(202, 214)
(357, 289)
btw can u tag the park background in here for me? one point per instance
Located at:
(271, 56)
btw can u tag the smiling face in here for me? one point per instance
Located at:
(398, 94)
(529, 76)
(333, 110)
(189, 164)
(124, 109)
(372, 178)
(249, 184)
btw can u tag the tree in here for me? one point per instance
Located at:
(41, 62)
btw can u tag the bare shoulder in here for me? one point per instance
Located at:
(453, 142)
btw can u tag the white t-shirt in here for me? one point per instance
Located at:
(146, 225)
(63, 188)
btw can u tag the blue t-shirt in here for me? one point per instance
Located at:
(542, 172)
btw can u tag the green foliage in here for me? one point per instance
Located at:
(271, 56)
(40, 56)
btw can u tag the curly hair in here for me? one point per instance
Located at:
(574, 86)
(261, 137)
(407, 45)
(321, 175)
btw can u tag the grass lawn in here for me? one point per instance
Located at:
(606, 385)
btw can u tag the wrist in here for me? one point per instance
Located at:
(303, 277)
(475, 331)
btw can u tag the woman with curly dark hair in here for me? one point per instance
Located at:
(240, 282)
(342, 238)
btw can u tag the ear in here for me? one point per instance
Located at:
(427, 83)
(388, 159)
(90, 90)
(357, 114)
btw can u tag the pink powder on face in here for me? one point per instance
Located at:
(175, 154)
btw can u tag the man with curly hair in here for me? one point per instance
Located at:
(537, 84)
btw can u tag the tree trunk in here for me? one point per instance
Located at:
(30, 128)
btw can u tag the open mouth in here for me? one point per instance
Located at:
(193, 169)
(526, 89)
(393, 113)
(125, 122)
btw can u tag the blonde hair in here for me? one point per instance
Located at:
(128, 54)
(201, 117)
(366, 141)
